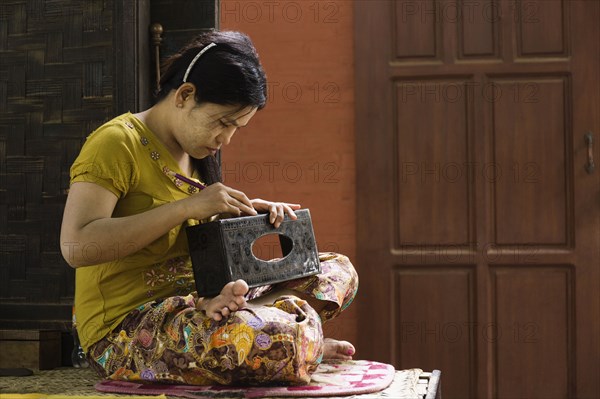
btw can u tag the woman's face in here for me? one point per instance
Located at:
(201, 130)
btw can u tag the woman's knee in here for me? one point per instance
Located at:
(340, 265)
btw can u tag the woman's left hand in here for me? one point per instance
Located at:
(277, 210)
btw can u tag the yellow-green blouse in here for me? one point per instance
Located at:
(126, 158)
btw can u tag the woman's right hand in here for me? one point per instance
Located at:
(217, 199)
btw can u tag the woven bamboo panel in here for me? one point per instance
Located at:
(66, 66)
(56, 86)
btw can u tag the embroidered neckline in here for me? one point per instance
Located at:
(154, 149)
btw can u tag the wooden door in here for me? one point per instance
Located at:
(478, 224)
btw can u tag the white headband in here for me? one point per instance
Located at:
(189, 68)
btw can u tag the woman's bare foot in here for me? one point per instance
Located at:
(229, 300)
(335, 349)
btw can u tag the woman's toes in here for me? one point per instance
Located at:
(240, 288)
(229, 300)
(227, 288)
(335, 349)
(240, 301)
(346, 348)
(346, 351)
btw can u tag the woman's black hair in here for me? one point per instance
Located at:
(229, 73)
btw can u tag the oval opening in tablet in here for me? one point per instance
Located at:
(271, 247)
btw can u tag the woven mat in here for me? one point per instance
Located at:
(80, 383)
(332, 378)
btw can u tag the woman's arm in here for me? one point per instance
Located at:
(90, 235)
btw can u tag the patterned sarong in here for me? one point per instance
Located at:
(171, 341)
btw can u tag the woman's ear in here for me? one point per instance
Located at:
(185, 92)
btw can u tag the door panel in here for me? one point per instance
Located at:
(432, 194)
(530, 127)
(436, 331)
(542, 27)
(533, 344)
(478, 225)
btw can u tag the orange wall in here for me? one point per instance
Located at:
(300, 148)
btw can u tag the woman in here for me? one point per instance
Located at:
(124, 231)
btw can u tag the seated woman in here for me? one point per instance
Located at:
(123, 229)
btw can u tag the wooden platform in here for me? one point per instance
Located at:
(407, 384)
(30, 349)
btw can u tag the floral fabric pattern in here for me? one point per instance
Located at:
(170, 341)
(175, 273)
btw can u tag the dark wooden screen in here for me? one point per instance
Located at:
(65, 68)
(181, 21)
